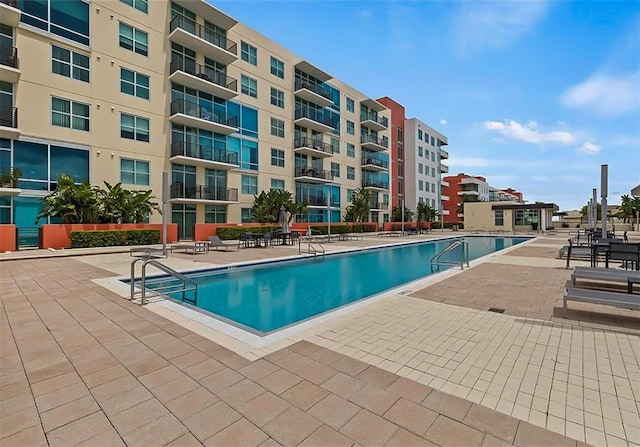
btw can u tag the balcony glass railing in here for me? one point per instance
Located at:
(8, 56)
(370, 159)
(202, 32)
(313, 200)
(8, 116)
(313, 114)
(371, 116)
(375, 205)
(313, 144)
(315, 88)
(206, 113)
(370, 138)
(201, 192)
(203, 72)
(375, 181)
(12, 3)
(194, 150)
(303, 171)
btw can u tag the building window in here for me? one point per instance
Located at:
(433, 187)
(277, 67)
(351, 150)
(245, 215)
(68, 19)
(419, 135)
(277, 97)
(335, 169)
(69, 63)
(420, 185)
(351, 128)
(433, 172)
(433, 156)
(134, 172)
(277, 127)
(433, 141)
(420, 167)
(134, 83)
(249, 86)
(215, 214)
(419, 151)
(351, 105)
(277, 157)
(499, 218)
(133, 39)
(134, 127)
(249, 53)
(140, 5)
(277, 184)
(335, 144)
(433, 203)
(350, 195)
(70, 114)
(351, 173)
(249, 184)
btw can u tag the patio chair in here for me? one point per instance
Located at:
(603, 274)
(625, 252)
(617, 299)
(571, 251)
(247, 239)
(216, 242)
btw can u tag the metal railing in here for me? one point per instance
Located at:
(368, 159)
(311, 143)
(370, 138)
(205, 33)
(194, 150)
(8, 56)
(9, 116)
(313, 114)
(371, 116)
(185, 284)
(196, 110)
(375, 181)
(203, 72)
(302, 171)
(12, 3)
(318, 89)
(464, 255)
(314, 246)
(375, 205)
(201, 192)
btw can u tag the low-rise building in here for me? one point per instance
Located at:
(508, 216)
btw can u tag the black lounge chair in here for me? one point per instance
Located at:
(216, 242)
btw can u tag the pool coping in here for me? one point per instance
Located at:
(251, 345)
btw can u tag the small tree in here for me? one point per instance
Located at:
(396, 214)
(360, 206)
(267, 205)
(424, 213)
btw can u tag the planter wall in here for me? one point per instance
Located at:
(7, 238)
(204, 230)
(397, 226)
(59, 235)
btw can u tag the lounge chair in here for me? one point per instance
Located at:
(617, 299)
(603, 274)
(146, 252)
(625, 252)
(571, 251)
(216, 242)
(196, 247)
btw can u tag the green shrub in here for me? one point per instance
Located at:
(335, 229)
(113, 238)
(232, 233)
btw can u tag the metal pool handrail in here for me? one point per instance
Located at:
(187, 284)
(464, 254)
(313, 246)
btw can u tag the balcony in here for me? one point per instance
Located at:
(372, 162)
(445, 212)
(444, 155)
(375, 205)
(9, 181)
(315, 93)
(9, 68)
(373, 121)
(470, 192)
(313, 201)
(313, 119)
(315, 148)
(197, 155)
(444, 198)
(192, 35)
(190, 74)
(181, 193)
(9, 122)
(444, 183)
(192, 114)
(376, 182)
(313, 175)
(9, 13)
(369, 141)
(444, 169)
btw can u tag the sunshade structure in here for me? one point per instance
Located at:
(635, 192)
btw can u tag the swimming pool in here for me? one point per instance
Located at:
(267, 297)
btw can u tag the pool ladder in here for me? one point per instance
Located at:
(464, 255)
(185, 284)
(313, 246)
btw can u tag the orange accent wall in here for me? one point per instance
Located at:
(452, 204)
(7, 238)
(397, 120)
(59, 235)
(204, 230)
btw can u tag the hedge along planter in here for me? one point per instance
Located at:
(113, 238)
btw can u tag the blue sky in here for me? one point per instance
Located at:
(534, 95)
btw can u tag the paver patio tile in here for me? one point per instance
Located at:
(492, 441)
(258, 369)
(125, 400)
(304, 347)
(316, 373)
(343, 385)
(349, 366)
(411, 416)
(304, 395)
(190, 358)
(409, 389)
(279, 381)
(15, 404)
(158, 432)
(221, 380)
(404, 438)
(61, 396)
(264, 408)
(134, 417)
(334, 411)
(175, 388)
(240, 433)
(369, 429)
(186, 440)
(80, 430)
(204, 369)
(160, 376)
(211, 420)
(147, 365)
(492, 422)
(270, 443)
(47, 372)
(67, 413)
(325, 356)
(18, 421)
(446, 404)
(242, 392)
(55, 383)
(377, 377)
(191, 403)
(113, 388)
(32, 437)
(234, 361)
(292, 427)
(528, 434)
(104, 376)
(374, 399)
(445, 431)
(326, 437)
(109, 438)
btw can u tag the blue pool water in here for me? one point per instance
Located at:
(268, 297)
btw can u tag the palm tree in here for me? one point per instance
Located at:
(396, 214)
(267, 205)
(629, 207)
(424, 213)
(360, 206)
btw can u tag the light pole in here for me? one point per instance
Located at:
(604, 177)
(329, 213)
(402, 203)
(165, 197)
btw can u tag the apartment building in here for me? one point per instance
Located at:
(397, 151)
(125, 90)
(458, 186)
(505, 195)
(424, 155)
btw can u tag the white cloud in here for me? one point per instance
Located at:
(444, 122)
(529, 133)
(605, 95)
(495, 24)
(589, 148)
